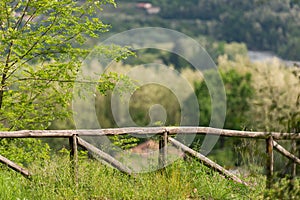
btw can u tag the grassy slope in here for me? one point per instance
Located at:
(182, 180)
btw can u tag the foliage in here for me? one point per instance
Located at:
(284, 189)
(25, 151)
(108, 81)
(142, 100)
(269, 25)
(273, 107)
(238, 95)
(181, 180)
(42, 45)
(124, 141)
(239, 92)
(142, 103)
(41, 56)
(275, 104)
(211, 46)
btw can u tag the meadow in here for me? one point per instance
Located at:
(187, 179)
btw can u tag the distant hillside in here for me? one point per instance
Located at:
(269, 25)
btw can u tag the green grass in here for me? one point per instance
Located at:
(181, 180)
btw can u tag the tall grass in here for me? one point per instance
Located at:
(181, 180)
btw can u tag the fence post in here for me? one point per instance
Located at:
(295, 146)
(270, 162)
(74, 157)
(294, 152)
(163, 151)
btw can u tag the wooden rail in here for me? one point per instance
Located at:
(206, 161)
(104, 156)
(164, 132)
(14, 166)
(149, 130)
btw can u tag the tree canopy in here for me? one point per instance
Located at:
(42, 46)
(265, 25)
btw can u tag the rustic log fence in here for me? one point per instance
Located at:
(164, 132)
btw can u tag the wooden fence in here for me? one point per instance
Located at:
(164, 132)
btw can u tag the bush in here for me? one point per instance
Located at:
(25, 151)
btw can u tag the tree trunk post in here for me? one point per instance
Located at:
(163, 151)
(270, 162)
(294, 165)
(74, 157)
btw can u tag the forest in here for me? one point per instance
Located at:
(261, 24)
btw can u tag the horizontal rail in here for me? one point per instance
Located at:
(231, 133)
(148, 131)
(81, 132)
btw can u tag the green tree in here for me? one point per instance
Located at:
(42, 46)
(238, 95)
(41, 50)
